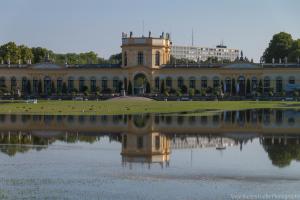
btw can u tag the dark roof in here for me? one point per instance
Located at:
(232, 66)
(49, 65)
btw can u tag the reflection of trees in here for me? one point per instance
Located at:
(282, 154)
(17, 143)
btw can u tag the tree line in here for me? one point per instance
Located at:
(282, 46)
(11, 53)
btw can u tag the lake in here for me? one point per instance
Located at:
(250, 154)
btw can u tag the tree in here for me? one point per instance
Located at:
(115, 58)
(294, 54)
(192, 92)
(178, 93)
(279, 47)
(184, 89)
(129, 88)
(10, 52)
(39, 54)
(26, 53)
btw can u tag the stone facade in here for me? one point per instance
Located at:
(146, 63)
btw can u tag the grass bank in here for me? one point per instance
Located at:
(53, 107)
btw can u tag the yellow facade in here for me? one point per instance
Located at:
(146, 60)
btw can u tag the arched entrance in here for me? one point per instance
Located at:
(140, 84)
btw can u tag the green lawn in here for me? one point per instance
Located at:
(52, 107)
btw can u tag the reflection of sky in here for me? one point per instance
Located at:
(76, 169)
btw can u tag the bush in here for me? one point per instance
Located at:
(172, 91)
(166, 93)
(209, 90)
(296, 93)
(178, 93)
(282, 94)
(192, 92)
(203, 92)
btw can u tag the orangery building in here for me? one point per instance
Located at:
(147, 67)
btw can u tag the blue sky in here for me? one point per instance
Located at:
(84, 25)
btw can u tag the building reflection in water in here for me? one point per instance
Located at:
(149, 139)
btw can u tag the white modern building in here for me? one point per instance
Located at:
(203, 53)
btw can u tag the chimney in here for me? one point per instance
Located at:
(131, 34)
(149, 34)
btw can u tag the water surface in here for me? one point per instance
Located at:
(253, 152)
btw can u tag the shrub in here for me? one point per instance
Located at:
(192, 92)
(178, 93)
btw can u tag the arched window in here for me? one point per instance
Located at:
(157, 58)
(180, 82)
(35, 86)
(267, 84)
(93, 84)
(216, 82)
(24, 84)
(279, 84)
(70, 84)
(81, 84)
(227, 86)
(169, 82)
(125, 59)
(140, 58)
(204, 82)
(157, 83)
(104, 83)
(116, 84)
(2, 82)
(13, 83)
(47, 85)
(192, 82)
(254, 83)
(59, 85)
